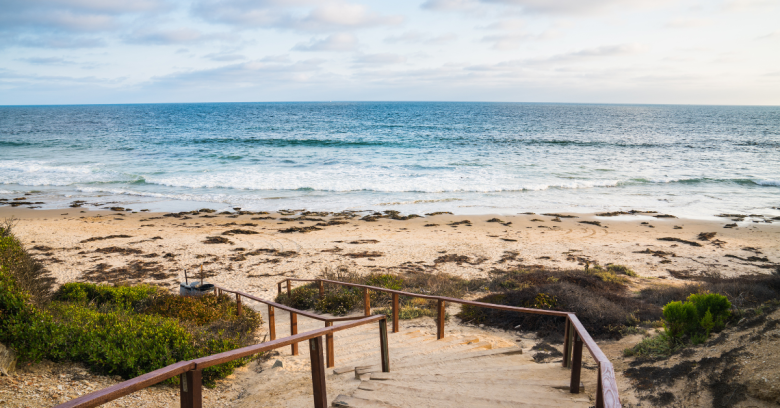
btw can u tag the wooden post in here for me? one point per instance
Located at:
(329, 346)
(318, 373)
(395, 313)
(238, 305)
(440, 322)
(599, 390)
(572, 333)
(576, 365)
(566, 343)
(289, 289)
(366, 302)
(322, 289)
(294, 331)
(383, 346)
(191, 389)
(271, 323)
(279, 288)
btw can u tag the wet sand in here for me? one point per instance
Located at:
(249, 251)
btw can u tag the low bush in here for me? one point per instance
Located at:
(696, 318)
(604, 314)
(338, 302)
(118, 330)
(122, 296)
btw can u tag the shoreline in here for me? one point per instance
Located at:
(247, 250)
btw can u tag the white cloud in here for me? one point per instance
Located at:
(380, 59)
(326, 16)
(47, 61)
(688, 22)
(222, 57)
(342, 42)
(745, 5)
(415, 37)
(176, 36)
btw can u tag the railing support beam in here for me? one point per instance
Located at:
(566, 330)
(366, 302)
(440, 307)
(238, 305)
(383, 346)
(395, 313)
(329, 347)
(294, 331)
(576, 365)
(191, 389)
(289, 289)
(322, 289)
(318, 373)
(271, 323)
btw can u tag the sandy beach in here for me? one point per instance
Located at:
(250, 251)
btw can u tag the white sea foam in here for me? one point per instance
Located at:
(774, 183)
(376, 180)
(39, 173)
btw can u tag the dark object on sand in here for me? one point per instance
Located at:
(195, 288)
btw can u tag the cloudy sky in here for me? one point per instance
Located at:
(606, 51)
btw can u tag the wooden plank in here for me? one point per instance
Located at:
(231, 355)
(320, 390)
(566, 328)
(271, 323)
(294, 331)
(384, 348)
(366, 302)
(329, 347)
(576, 365)
(238, 304)
(128, 387)
(395, 313)
(191, 389)
(440, 321)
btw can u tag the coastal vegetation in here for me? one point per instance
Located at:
(119, 330)
(604, 298)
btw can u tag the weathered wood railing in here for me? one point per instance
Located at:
(190, 371)
(574, 338)
(330, 349)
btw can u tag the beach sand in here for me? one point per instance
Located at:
(157, 249)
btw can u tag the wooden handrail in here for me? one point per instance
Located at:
(195, 367)
(607, 391)
(224, 357)
(128, 387)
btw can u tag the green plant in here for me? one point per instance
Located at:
(697, 317)
(621, 269)
(680, 318)
(124, 296)
(655, 346)
(338, 302)
(302, 297)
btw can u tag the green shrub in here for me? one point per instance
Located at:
(385, 280)
(622, 269)
(198, 310)
(656, 346)
(338, 302)
(407, 312)
(303, 297)
(697, 317)
(680, 318)
(123, 296)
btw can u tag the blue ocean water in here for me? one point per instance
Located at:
(503, 158)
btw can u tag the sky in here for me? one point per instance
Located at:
(724, 52)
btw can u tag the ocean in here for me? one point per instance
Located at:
(467, 158)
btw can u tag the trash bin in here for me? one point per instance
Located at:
(195, 289)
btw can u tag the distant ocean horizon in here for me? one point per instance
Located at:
(414, 157)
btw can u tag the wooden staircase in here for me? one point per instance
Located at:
(468, 368)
